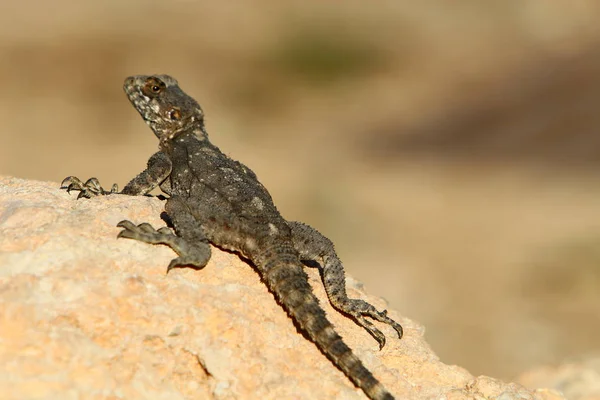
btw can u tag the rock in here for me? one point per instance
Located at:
(577, 380)
(84, 315)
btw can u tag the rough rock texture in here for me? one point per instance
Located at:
(577, 380)
(84, 315)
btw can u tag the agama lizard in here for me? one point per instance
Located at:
(214, 199)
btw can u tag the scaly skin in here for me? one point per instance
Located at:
(214, 199)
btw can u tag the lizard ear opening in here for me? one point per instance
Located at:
(174, 114)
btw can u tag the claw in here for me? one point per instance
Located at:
(399, 330)
(179, 262)
(146, 227)
(125, 224)
(143, 232)
(89, 189)
(130, 230)
(165, 231)
(397, 327)
(172, 264)
(126, 234)
(69, 181)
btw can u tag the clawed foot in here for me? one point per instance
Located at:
(358, 309)
(144, 232)
(91, 187)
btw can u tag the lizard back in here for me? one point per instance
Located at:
(237, 213)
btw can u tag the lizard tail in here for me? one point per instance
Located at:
(288, 281)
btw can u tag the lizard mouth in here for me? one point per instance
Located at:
(151, 121)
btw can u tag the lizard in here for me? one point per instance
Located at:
(213, 199)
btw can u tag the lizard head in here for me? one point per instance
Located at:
(166, 108)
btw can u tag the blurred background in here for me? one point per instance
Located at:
(451, 150)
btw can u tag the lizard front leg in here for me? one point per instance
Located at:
(159, 168)
(88, 189)
(313, 246)
(190, 243)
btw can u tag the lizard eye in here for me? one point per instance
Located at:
(153, 87)
(175, 114)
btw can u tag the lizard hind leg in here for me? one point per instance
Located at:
(313, 246)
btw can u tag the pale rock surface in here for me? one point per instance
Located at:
(86, 316)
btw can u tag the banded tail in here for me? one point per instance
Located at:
(286, 278)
